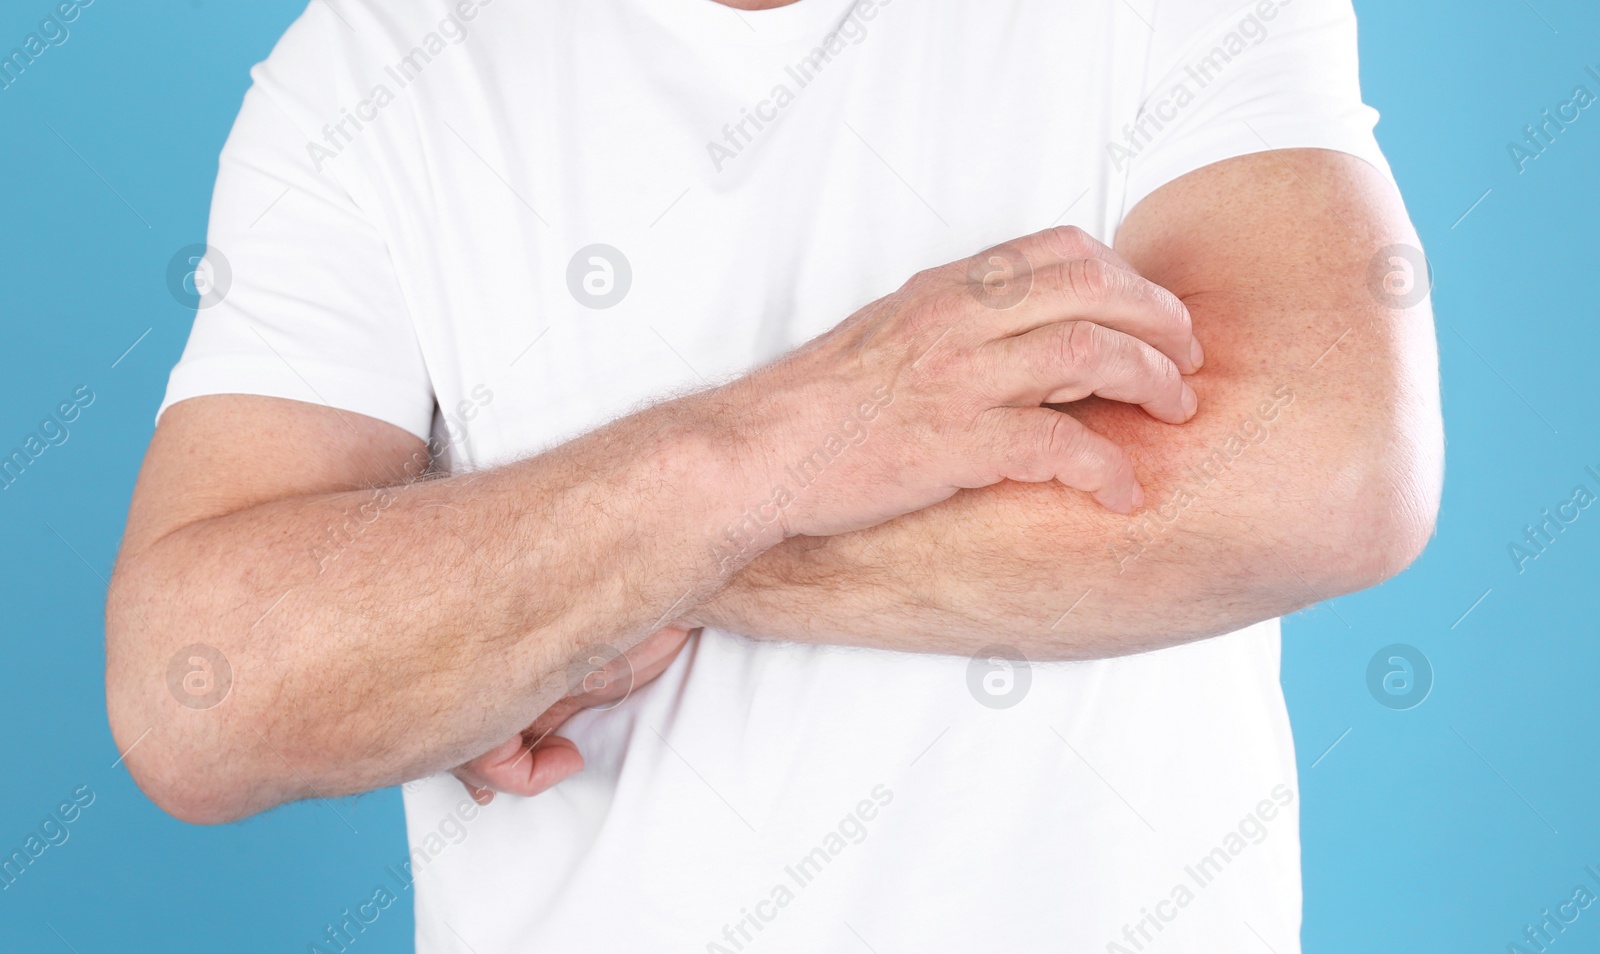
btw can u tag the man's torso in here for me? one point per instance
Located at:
(765, 796)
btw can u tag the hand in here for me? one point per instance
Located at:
(942, 385)
(534, 759)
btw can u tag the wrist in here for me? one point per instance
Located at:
(726, 443)
(727, 609)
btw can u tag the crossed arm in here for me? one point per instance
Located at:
(1313, 468)
(437, 634)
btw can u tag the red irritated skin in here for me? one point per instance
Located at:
(535, 759)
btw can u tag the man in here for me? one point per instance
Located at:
(986, 574)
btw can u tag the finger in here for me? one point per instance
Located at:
(1036, 444)
(662, 644)
(539, 768)
(479, 792)
(1070, 360)
(1001, 277)
(522, 771)
(1052, 246)
(656, 653)
(472, 777)
(514, 765)
(1090, 289)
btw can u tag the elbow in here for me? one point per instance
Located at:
(1383, 522)
(196, 808)
(190, 807)
(1390, 533)
(178, 766)
(163, 768)
(173, 751)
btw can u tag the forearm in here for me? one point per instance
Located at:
(1231, 534)
(1312, 469)
(469, 595)
(447, 623)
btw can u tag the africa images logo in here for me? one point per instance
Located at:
(199, 276)
(1399, 676)
(599, 276)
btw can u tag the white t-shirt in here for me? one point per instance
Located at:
(408, 208)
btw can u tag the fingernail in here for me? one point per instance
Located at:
(1191, 401)
(1197, 354)
(1120, 501)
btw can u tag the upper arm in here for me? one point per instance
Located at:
(303, 373)
(1274, 249)
(1262, 200)
(1319, 397)
(223, 453)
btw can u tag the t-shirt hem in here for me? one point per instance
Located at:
(1233, 140)
(337, 386)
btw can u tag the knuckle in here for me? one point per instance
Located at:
(1078, 344)
(1067, 444)
(1147, 363)
(1166, 372)
(921, 279)
(1035, 460)
(1071, 239)
(1093, 460)
(1091, 280)
(1162, 385)
(1176, 311)
(923, 284)
(1121, 369)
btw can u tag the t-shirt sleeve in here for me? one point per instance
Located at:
(299, 295)
(1230, 78)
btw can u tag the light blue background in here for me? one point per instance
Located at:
(1442, 828)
